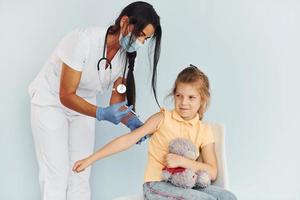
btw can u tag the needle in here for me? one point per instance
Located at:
(132, 111)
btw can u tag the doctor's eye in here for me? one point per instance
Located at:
(141, 34)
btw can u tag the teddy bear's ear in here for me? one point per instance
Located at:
(174, 142)
(191, 155)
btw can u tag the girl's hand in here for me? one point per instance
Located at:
(173, 160)
(81, 165)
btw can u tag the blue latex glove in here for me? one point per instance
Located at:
(143, 139)
(134, 123)
(111, 113)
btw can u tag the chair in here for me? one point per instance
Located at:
(222, 179)
(219, 134)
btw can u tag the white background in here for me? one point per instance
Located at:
(249, 50)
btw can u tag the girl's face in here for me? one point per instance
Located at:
(187, 100)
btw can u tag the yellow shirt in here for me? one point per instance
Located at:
(173, 126)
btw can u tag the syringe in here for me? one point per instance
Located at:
(131, 111)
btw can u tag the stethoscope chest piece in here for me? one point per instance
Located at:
(121, 88)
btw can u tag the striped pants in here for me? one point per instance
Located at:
(166, 191)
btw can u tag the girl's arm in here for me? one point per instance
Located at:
(120, 143)
(209, 163)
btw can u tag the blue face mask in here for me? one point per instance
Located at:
(124, 41)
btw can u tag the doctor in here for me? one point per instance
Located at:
(63, 95)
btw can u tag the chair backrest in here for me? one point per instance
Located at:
(219, 134)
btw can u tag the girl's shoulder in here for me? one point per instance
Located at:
(205, 127)
(157, 118)
(165, 111)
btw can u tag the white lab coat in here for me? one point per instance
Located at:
(63, 136)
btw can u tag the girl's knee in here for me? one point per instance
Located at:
(209, 197)
(227, 195)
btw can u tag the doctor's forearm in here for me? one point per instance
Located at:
(78, 104)
(117, 98)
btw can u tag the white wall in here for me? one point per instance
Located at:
(248, 49)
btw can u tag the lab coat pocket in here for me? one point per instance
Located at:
(32, 91)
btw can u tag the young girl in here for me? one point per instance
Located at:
(191, 95)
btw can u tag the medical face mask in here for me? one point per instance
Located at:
(124, 41)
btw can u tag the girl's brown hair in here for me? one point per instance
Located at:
(193, 75)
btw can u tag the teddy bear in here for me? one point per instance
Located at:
(182, 177)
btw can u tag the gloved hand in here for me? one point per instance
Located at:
(112, 113)
(134, 123)
(143, 139)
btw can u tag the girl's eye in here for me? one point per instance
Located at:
(191, 97)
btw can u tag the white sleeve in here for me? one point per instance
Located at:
(73, 50)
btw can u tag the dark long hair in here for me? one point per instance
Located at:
(140, 14)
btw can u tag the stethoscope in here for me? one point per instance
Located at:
(121, 88)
